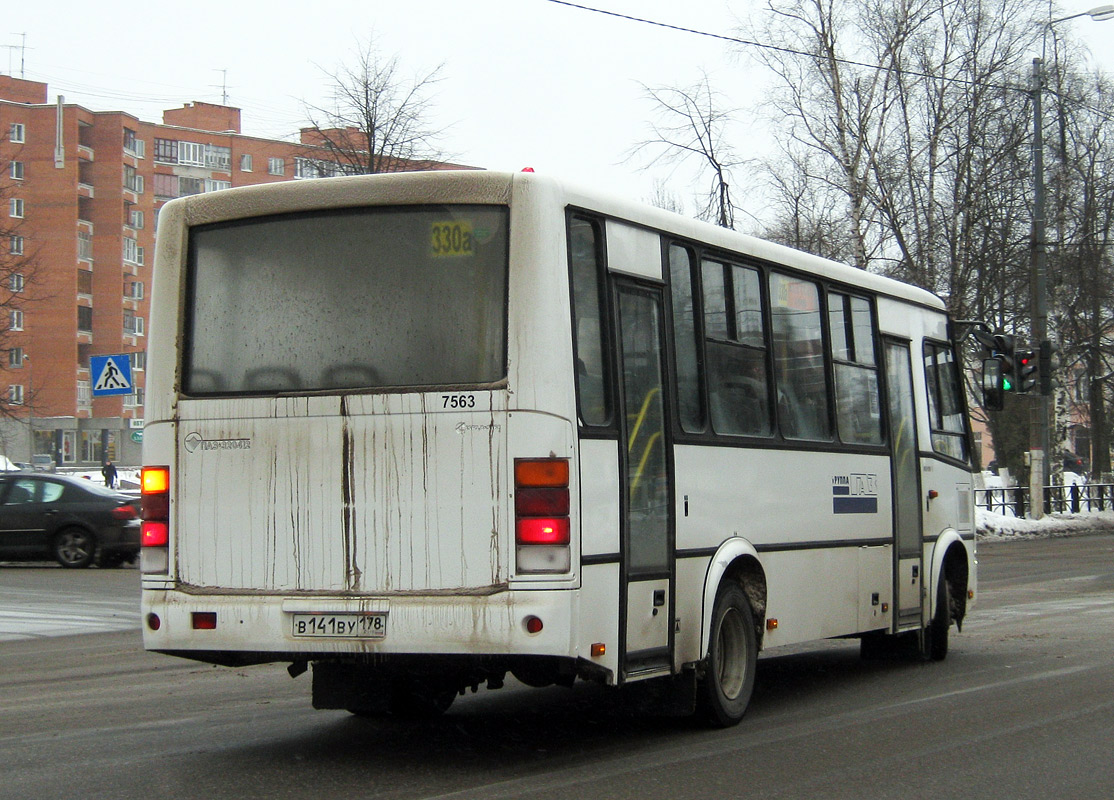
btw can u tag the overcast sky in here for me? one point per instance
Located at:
(526, 82)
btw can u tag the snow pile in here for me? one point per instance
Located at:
(1000, 528)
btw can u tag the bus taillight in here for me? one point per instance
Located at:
(154, 507)
(541, 510)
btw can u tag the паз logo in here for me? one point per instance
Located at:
(194, 441)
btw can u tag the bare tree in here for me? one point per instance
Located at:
(379, 120)
(20, 289)
(689, 128)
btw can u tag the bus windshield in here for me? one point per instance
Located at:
(345, 299)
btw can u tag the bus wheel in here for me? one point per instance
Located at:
(937, 634)
(732, 658)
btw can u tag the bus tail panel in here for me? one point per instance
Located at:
(369, 494)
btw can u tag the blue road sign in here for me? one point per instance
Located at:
(111, 374)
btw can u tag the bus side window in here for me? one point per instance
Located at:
(945, 408)
(799, 359)
(585, 265)
(858, 410)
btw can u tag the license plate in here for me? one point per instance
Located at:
(339, 626)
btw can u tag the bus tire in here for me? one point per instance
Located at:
(937, 633)
(732, 658)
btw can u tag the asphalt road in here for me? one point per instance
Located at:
(1021, 708)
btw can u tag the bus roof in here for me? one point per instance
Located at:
(482, 186)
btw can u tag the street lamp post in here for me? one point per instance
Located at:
(1039, 419)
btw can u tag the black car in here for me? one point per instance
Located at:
(75, 521)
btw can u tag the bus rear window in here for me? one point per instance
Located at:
(355, 298)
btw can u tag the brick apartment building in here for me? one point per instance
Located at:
(80, 193)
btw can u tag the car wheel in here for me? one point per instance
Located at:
(74, 548)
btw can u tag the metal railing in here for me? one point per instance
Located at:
(1013, 501)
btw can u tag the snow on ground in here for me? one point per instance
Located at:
(1000, 528)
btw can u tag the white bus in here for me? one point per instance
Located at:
(423, 430)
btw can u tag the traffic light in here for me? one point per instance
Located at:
(1004, 351)
(993, 397)
(1045, 370)
(1027, 374)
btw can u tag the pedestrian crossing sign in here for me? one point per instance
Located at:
(111, 375)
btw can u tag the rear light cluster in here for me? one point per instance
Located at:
(541, 512)
(155, 506)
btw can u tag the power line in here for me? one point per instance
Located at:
(814, 56)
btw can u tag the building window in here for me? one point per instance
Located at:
(276, 166)
(15, 207)
(16, 170)
(133, 290)
(133, 325)
(84, 393)
(15, 394)
(139, 360)
(216, 186)
(135, 219)
(166, 150)
(84, 281)
(16, 282)
(166, 185)
(85, 319)
(191, 154)
(140, 255)
(133, 180)
(84, 352)
(217, 157)
(245, 162)
(131, 250)
(188, 186)
(17, 133)
(85, 245)
(15, 320)
(136, 398)
(133, 145)
(16, 246)
(315, 168)
(15, 357)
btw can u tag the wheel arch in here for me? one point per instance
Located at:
(951, 561)
(736, 560)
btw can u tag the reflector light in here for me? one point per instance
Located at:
(598, 649)
(153, 622)
(541, 502)
(548, 472)
(154, 534)
(771, 624)
(543, 530)
(533, 625)
(204, 620)
(154, 480)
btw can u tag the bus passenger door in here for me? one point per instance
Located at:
(905, 475)
(646, 602)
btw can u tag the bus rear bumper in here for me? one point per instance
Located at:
(236, 629)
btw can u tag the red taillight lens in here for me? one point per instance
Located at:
(204, 620)
(154, 506)
(542, 530)
(541, 502)
(154, 534)
(124, 512)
